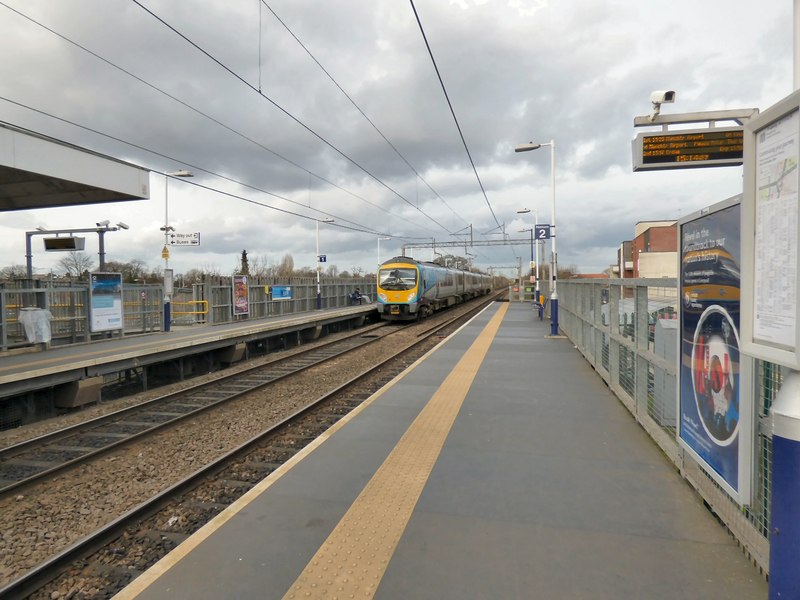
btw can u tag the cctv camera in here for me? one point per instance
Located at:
(122, 225)
(662, 97)
(104, 223)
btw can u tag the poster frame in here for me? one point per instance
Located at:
(240, 295)
(741, 489)
(105, 302)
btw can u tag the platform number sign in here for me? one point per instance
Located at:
(323, 258)
(541, 232)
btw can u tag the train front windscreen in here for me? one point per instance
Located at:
(397, 279)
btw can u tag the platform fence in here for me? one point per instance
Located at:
(206, 303)
(628, 331)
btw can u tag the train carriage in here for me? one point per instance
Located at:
(409, 289)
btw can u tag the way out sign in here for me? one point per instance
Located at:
(184, 239)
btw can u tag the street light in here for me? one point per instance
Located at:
(319, 290)
(387, 237)
(554, 256)
(165, 252)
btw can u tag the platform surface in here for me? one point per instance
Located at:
(90, 357)
(530, 481)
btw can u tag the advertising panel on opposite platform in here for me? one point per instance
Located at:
(715, 399)
(105, 301)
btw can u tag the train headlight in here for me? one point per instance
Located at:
(382, 297)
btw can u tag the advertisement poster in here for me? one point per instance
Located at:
(281, 292)
(105, 301)
(241, 304)
(710, 402)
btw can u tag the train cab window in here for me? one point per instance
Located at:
(397, 279)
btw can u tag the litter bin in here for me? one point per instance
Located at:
(36, 322)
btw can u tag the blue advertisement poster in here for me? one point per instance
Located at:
(710, 400)
(105, 300)
(281, 292)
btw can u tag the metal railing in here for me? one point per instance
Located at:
(628, 330)
(143, 305)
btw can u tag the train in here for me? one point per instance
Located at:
(409, 290)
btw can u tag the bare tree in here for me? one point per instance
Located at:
(13, 272)
(286, 268)
(332, 271)
(76, 264)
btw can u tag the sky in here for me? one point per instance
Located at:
(293, 112)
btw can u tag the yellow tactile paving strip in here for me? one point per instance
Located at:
(352, 561)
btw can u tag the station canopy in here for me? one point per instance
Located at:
(41, 172)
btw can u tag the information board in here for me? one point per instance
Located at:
(692, 148)
(105, 301)
(770, 221)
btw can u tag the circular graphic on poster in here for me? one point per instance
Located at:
(715, 374)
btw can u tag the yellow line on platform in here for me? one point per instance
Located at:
(354, 558)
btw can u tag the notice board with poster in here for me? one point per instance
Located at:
(715, 403)
(105, 301)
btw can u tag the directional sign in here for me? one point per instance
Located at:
(541, 232)
(184, 239)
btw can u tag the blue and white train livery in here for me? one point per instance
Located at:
(409, 289)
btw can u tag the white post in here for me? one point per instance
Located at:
(554, 274)
(165, 254)
(319, 291)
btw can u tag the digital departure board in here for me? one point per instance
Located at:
(686, 149)
(63, 244)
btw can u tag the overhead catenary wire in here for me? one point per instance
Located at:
(452, 111)
(288, 114)
(357, 107)
(197, 111)
(356, 226)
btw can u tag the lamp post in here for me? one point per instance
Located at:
(554, 256)
(165, 252)
(386, 237)
(319, 257)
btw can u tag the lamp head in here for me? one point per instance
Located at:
(527, 147)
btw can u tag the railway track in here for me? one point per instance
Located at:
(119, 550)
(33, 460)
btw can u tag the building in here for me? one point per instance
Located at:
(654, 249)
